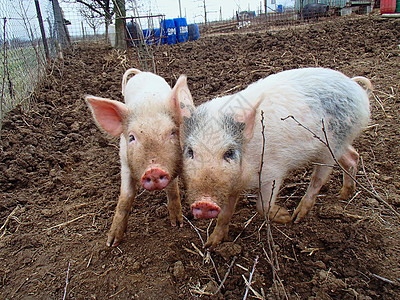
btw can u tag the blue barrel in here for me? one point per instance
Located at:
(182, 33)
(279, 8)
(157, 36)
(194, 33)
(169, 34)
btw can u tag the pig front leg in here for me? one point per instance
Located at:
(266, 203)
(124, 206)
(174, 203)
(222, 228)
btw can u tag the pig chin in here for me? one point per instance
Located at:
(205, 209)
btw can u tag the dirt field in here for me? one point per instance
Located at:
(59, 183)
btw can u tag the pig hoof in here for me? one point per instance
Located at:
(280, 215)
(345, 193)
(215, 239)
(210, 245)
(179, 223)
(113, 241)
(176, 219)
(112, 244)
(298, 215)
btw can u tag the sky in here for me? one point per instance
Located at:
(193, 10)
(15, 11)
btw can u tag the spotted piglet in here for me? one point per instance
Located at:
(223, 142)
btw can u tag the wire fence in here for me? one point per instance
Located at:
(30, 34)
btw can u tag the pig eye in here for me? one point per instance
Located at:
(131, 138)
(190, 153)
(230, 154)
(173, 132)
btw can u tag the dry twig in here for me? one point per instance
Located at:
(68, 222)
(250, 278)
(197, 231)
(384, 279)
(245, 225)
(66, 282)
(226, 276)
(206, 257)
(8, 219)
(113, 295)
(272, 258)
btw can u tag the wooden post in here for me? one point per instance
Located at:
(39, 16)
(62, 33)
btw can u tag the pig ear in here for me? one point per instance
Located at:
(181, 99)
(109, 114)
(248, 117)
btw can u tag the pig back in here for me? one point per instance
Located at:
(313, 96)
(146, 89)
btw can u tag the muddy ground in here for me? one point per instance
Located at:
(59, 182)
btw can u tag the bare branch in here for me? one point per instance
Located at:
(66, 282)
(250, 278)
(326, 143)
(226, 275)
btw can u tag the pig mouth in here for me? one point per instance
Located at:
(205, 209)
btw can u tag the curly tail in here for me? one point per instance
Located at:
(125, 78)
(365, 81)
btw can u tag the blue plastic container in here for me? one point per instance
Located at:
(169, 34)
(182, 33)
(279, 8)
(194, 33)
(157, 36)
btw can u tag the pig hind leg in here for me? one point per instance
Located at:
(124, 206)
(318, 179)
(266, 203)
(348, 161)
(174, 203)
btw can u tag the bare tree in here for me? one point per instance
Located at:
(96, 9)
(93, 20)
(120, 13)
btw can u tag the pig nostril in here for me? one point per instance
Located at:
(148, 180)
(162, 177)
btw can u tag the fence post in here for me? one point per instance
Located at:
(39, 16)
(4, 75)
(62, 34)
(83, 30)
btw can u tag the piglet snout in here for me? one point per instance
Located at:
(205, 209)
(155, 179)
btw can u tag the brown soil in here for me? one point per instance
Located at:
(59, 182)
